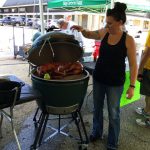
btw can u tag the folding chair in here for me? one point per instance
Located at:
(14, 92)
(9, 94)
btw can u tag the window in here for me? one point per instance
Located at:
(14, 10)
(22, 9)
(6, 10)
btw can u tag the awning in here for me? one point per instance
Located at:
(97, 5)
(141, 8)
(79, 5)
(137, 5)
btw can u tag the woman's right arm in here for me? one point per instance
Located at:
(97, 34)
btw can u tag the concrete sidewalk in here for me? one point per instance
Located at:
(132, 137)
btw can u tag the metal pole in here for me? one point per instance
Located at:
(41, 15)
(47, 23)
(112, 4)
(14, 42)
(34, 10)
(23, 36)
(25, 17)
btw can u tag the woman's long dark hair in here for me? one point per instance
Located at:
(118, 12)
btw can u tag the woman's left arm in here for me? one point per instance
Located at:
(131, 53)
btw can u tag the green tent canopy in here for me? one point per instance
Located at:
(79, 5)
(95, 5)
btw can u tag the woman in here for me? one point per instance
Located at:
(109, 72)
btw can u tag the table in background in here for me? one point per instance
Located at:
(27, 92)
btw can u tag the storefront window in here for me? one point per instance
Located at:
(6, 10)
(22, 9)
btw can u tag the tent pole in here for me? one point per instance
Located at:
(112, 4)
(41, 16)
(104, 21)
(47, 18)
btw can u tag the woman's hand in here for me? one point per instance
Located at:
(76, 27)
(130, 93)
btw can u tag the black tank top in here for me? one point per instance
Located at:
(110, 66)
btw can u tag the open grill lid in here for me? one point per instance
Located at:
(55, 47)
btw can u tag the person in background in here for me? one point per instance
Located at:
(36, 35)
(144, 78)
(65, 28)
(109, 72)
(52, 28)
(68, 18)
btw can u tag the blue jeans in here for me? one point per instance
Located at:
(113, 94)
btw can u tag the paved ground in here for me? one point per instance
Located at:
(132, 137)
